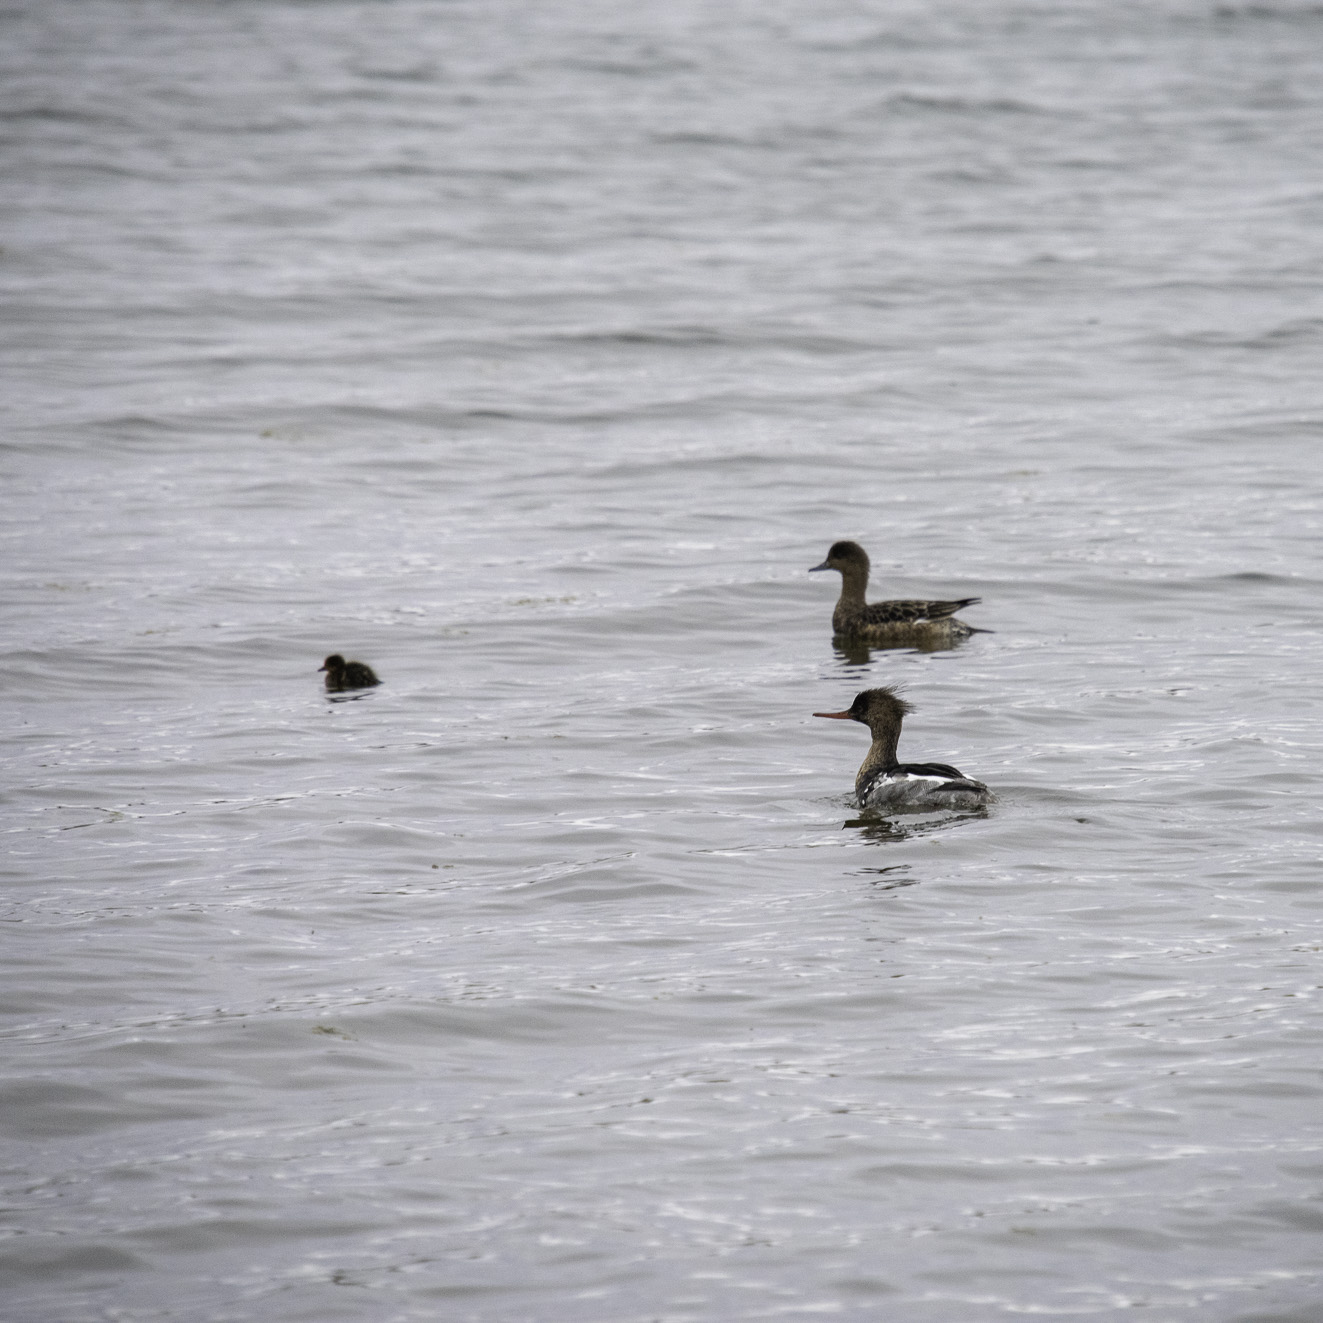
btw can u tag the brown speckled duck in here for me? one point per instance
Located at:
(341, 675)
(889, 623)
(884, 783)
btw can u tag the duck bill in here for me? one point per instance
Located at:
(322, 667)
(847, 715)
(813, 569)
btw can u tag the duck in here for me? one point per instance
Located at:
(901, 622)
(884, 783)
(341, 675)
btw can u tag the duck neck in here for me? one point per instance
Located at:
(881, 755)
(854, 586)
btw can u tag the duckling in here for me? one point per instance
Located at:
(884, 783)
(341, 674)
(892, 623)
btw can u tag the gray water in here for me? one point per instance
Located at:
(533, 353)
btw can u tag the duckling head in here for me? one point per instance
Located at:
(334, 662)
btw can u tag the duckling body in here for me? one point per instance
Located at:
(342, 675)
(892, 623)
(885, 783)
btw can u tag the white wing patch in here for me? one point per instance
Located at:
(924, 791)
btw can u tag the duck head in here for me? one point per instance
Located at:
(878, 709)
(847, 557)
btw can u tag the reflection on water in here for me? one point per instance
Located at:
(873, 827)
(888, 879)
(857, 652)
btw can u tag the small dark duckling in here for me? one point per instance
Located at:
(341, 675)
(888, 622)
(884, 783)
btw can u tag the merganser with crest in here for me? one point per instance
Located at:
(884, 783)
(888, 622)
(342, 675)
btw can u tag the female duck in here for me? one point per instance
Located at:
(888, 622)
(341, 675)
(884, 783)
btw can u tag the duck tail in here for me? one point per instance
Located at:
(941, 610)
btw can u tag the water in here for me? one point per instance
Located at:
(533, 354)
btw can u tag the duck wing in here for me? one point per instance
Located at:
(911, 612)
(923, 786)
(942, 771)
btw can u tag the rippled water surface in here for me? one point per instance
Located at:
(533, 354)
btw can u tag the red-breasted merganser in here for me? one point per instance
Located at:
(888, 622)
(341, 675)
(884, 783)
